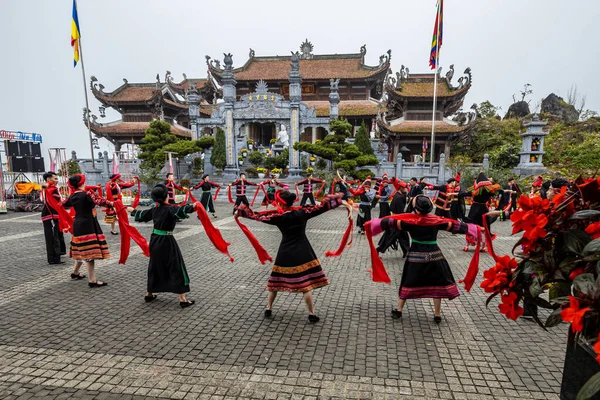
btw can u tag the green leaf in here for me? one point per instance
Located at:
(585, 214)
(568, 264)
(554, 318)
(535, 288)
(591, 387)
(558, 290)
(584, 284)
(574, 241)
(592, 247)
(487, 302)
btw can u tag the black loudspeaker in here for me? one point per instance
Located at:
(12, 148)
(36, 150)
(37, 164)
(20, 164)
(24, 149)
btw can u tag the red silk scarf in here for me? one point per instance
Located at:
(214, 235)
(128, 233)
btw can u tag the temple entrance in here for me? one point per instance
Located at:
(262, 133)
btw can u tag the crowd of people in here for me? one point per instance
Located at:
(408, 218)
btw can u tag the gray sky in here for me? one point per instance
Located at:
(550, 44)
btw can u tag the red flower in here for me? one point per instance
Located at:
(496, 278)
(593, 230)
(576, 272)
(574, 314)
(510, 306)
(531, 217)
(597, 348)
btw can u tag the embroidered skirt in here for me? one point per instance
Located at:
(301, 278)
(427, 274)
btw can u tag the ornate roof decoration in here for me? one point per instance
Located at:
(252, 53)
(306, 48)
(261, 87)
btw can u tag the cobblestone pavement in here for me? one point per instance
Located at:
(59, 339)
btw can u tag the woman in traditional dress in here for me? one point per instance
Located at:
(88, 242)
(426, 272)
(481, 192)
(115, 186)
(206, 185)
(166, 269)
(296, 268)
(366, 195)
(396, 238)
(271, 186)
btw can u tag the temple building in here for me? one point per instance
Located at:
(298, 94)
(360, 86)
(140, 103)
(405, 118)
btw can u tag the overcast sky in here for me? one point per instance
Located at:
(550, 44)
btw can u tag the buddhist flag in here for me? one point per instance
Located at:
(436, 41)
(75, 34)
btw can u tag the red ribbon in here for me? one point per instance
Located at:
(217, 192)
(136, 200)
(229, 194)
(128, 232)
(473, 270)
(214, 235)
(65, 219)
(263, 255)
(378, 272)
(347, 235)
(320, 189)
(297, 196)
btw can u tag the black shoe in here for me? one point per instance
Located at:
(214, 215)
(437, 319)
(55, 262)
(77, 276)
(114, 233)
(268, 313)
(313, 318)
(96, 284)
(185, 304)
(148, 299)
(396, 314)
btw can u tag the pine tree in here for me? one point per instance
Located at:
(218, 158)
(362, 140)
(158, 135)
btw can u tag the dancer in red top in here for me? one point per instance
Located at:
(55, 241)
(308, 189)
(115, 186)
(240, 190)
(171, 186)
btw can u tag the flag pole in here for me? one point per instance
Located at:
(437, 65)
(87, 105)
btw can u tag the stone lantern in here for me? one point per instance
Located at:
(532, 148)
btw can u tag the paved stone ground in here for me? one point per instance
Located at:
(59, 339)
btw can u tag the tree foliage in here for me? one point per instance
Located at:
(489, 136)
(71, 168)
(218, 158)
(505, 157)
(574, 147)
(334, 148)
(487, 110)
(185, 147)
(362, 140)
(256, 158)
(158, 135)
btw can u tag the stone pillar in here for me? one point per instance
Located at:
(295, 99)
(334, 99)
(105, 170)
(399, 166)
(229, 96)
(208, 167)
(447, 149)
(193, 99)
(314, 134)
(486, 161)
(395, 151)
(442, 169)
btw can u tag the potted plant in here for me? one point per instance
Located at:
(310, 171)
(261, 172)
(250, 144)
(276, 171)
(560, 255)
(244, 153)
(240, 160)
(312, 160)
(272, 142)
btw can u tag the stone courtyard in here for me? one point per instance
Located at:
(60, 339)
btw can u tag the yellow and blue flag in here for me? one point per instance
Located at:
(75, 34)
(436, 42)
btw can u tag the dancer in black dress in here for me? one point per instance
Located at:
(481, 192)
(271, 186)
(445, 197)
(88, 242)
(207, 201)
(426, 273)
(166, 269)
(383, 195)
(366, 195)
(395, 239)
(55, 241)
(296, 268)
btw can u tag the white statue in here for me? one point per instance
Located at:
(283, 137)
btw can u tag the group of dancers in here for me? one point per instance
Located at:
(406, 218)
